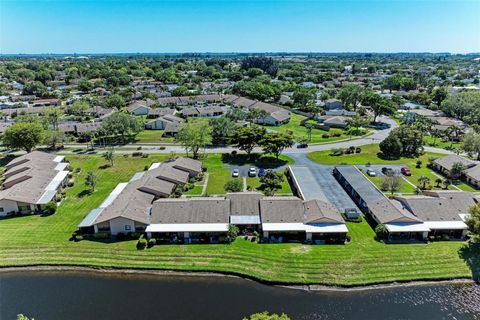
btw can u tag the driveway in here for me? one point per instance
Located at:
(317, 182)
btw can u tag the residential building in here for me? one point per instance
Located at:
(31, 181)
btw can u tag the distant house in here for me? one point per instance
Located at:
(46, 103)
(472, 176)
(159, 112)
(168, 122)
(334, 121)
(31, 181)
(331, 104)
(138, 108)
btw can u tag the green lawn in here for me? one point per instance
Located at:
(153, 136)
(429, 141)
(377, 181)
(300, 132)
(36, 240)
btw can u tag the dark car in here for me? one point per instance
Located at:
(387, 171)
(261, 172)
(302, 145)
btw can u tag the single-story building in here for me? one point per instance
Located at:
(445, 164)
(161, 123)
(31, 181)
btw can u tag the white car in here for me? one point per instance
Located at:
(235, 173)
(252, 172)
(371, 173)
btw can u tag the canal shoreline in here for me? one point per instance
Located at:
(198, 274)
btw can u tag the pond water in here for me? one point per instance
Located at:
(89, 295)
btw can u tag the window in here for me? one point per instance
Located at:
(128, 227)
(1, 210)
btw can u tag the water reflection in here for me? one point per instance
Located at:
(69, 295)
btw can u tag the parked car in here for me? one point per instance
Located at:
(371, 173)
(302, 145)
(235, 173)
(406, 171)
(252, 172)
(388, 171)
(261, 172)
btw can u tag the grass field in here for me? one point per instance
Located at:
(153, 136)
(300, 132)
(37, 240)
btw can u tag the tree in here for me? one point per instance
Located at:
(222, 129)
(304, 99)
(254, 115)
(79, 107)
(462, 105)
(410, 137)
(391, 183)
(91, 181)
(122, 124)
(54, 138)
(356, 122)
(473, 222)
(23, 136)
(438, 95)
(247, 138)
(108, 155)
(233, 186)
(236, 114)
(423, 180)
(35, 88)
(53, 116)
(380, 106)
(437, 182)
(276, 142)
(471, 143)
(114, 101)
(85, 85)
(23, 317)
(351, 96)
(266, 316)
(194, 134)
(381, 232)
(268, 65)
(391, 147)
(457, 170)
(271, 182)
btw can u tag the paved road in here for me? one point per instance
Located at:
(377, 137)
(317, 182)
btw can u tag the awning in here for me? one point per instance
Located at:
(326, 228)
(188, 227)
(407, 227)
(90, 218)
(446, 225)
(283, 227)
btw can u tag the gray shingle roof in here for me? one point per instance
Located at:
(194, 210)
(448, 161)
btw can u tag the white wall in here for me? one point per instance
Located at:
(8, 206)
(117, 225)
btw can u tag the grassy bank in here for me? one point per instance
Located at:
(36, 240)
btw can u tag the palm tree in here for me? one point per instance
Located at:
(109, 156)
(446, 183)
(424, 180)
(437, 182)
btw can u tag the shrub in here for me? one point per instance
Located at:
(161, 148)
(137, 154)
(348, 237)
(188, 186)
(141, 244)
(336, 134)
(337, 152)
(49, 208)
(445, 237)
(325, 135)
(77, 238)
(232, 233)
(139, 148)
(233, 186)
(233, 153)
(358, 150)
(146, 168)
(120, 236)
(419, 164)
(381, 232)
(145, 155)
(77, 170)
(70, 183)
(152, 242)
(100, 235)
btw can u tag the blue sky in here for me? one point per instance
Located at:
(102, 26)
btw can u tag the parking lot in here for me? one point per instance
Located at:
(317, 182)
